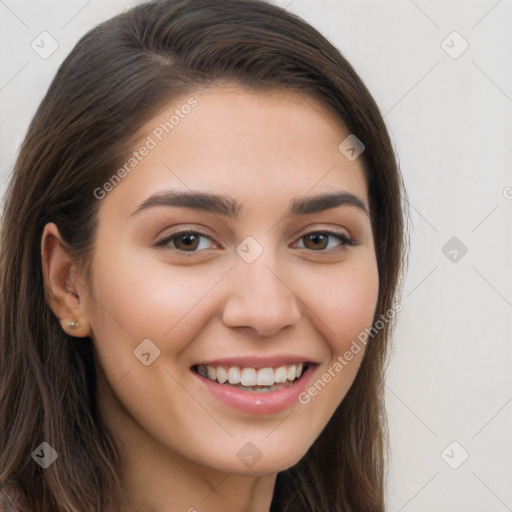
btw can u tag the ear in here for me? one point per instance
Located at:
(61, 284)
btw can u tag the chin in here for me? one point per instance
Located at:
(274, 462)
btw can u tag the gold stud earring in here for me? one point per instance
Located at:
(74, 324)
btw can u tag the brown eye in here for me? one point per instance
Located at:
(319, 240)
(316, 241)
(184, 241)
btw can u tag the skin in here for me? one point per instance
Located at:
(179, 444)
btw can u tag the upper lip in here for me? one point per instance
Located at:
(258, 361)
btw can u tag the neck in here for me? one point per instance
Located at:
(170, 483)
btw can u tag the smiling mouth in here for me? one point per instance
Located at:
(262, 380)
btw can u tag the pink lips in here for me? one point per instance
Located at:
(253, 402)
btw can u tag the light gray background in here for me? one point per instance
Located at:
(450, 120)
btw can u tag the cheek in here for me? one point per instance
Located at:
(142, 297)
(345, 301)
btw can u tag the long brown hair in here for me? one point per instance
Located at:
(117, 77)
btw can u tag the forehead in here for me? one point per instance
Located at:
(266, 146)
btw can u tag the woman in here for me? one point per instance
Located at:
(201, 255)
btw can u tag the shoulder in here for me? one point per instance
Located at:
(12, 499)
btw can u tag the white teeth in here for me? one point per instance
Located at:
(280, 374)
(265, 377)
(222, 375)
(212, 373)
(234, 375)
(250, 376)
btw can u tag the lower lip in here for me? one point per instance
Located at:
(254, 402)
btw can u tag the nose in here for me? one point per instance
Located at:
(260, 298)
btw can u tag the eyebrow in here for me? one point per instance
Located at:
(229, 207)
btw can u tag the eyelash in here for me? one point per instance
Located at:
(340, 236)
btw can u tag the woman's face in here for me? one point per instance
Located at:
(258, 288)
